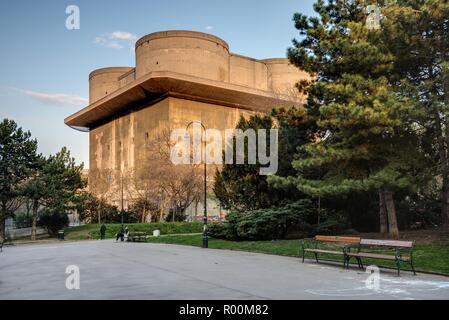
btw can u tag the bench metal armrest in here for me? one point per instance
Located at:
(400, 252)
(309, 243)
(351, 248)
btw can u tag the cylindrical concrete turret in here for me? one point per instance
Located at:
(186, 52)
(104, 81)
(282, 75)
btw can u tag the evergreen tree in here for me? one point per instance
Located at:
(17, 154)
(417, 33)
(240, 186)
(364, 139)
(35, 190)
(60, 181)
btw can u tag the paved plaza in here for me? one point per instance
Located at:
(110, 270)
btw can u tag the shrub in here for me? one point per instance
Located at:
(220, 231)
(23, 221)
(267, 224)
(115, 216)
(53, 221)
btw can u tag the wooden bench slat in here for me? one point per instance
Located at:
(324, 251)
(377, 256)
(137, 236)
(337, 239)
(387, 243)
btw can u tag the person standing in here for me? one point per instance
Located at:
(102, 231)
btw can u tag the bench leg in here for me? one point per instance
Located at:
(360, 262)
(348, 259)
(398, 266)
(303, 255)
(413, 268)
(316, 256)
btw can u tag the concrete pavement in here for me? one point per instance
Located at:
(110, 270)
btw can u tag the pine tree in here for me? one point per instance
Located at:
(60, 182)
(17, 154)
(364, 137)
(417, 33)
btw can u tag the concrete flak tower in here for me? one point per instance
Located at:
(179, 76)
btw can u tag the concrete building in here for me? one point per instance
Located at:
(180, 76)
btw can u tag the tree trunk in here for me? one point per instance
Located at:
(445, 202)
(442, 154)
(391, 213)
(383, 213)
(2, 221)
(34, 220)
(99, 213)
(161, 213)
(144, 214)
(319, 210)
(2, 227)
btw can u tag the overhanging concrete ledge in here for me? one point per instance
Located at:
(160, 84)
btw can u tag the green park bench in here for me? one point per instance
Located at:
(330, 245)
(136, 236)
(391, 250)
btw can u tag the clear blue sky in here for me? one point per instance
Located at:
(44, 67)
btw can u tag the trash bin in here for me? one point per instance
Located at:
(156, 233)
(61, 235)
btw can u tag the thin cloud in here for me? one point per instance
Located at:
(100, 40)
(54, 98)
(123, 35)
(208, 28)
(116, 39)
(114, 45)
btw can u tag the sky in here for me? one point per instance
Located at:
(44, 67)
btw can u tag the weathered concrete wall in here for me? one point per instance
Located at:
(121, 146)
(117, 146)
(248, 72)
(127, 77)
(283, 76)
(187, 52)
(196, 54)
(213, 116)
(103, 82)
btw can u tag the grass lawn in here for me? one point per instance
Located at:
(92, 231)
(432, 256)
(428, 256)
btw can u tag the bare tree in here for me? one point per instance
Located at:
(158, 181)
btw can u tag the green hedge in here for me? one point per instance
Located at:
(92, 231)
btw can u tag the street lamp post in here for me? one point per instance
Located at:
(121, 182)
(205, 235)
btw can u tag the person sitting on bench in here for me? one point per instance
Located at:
(126, 235)
(120, 235)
